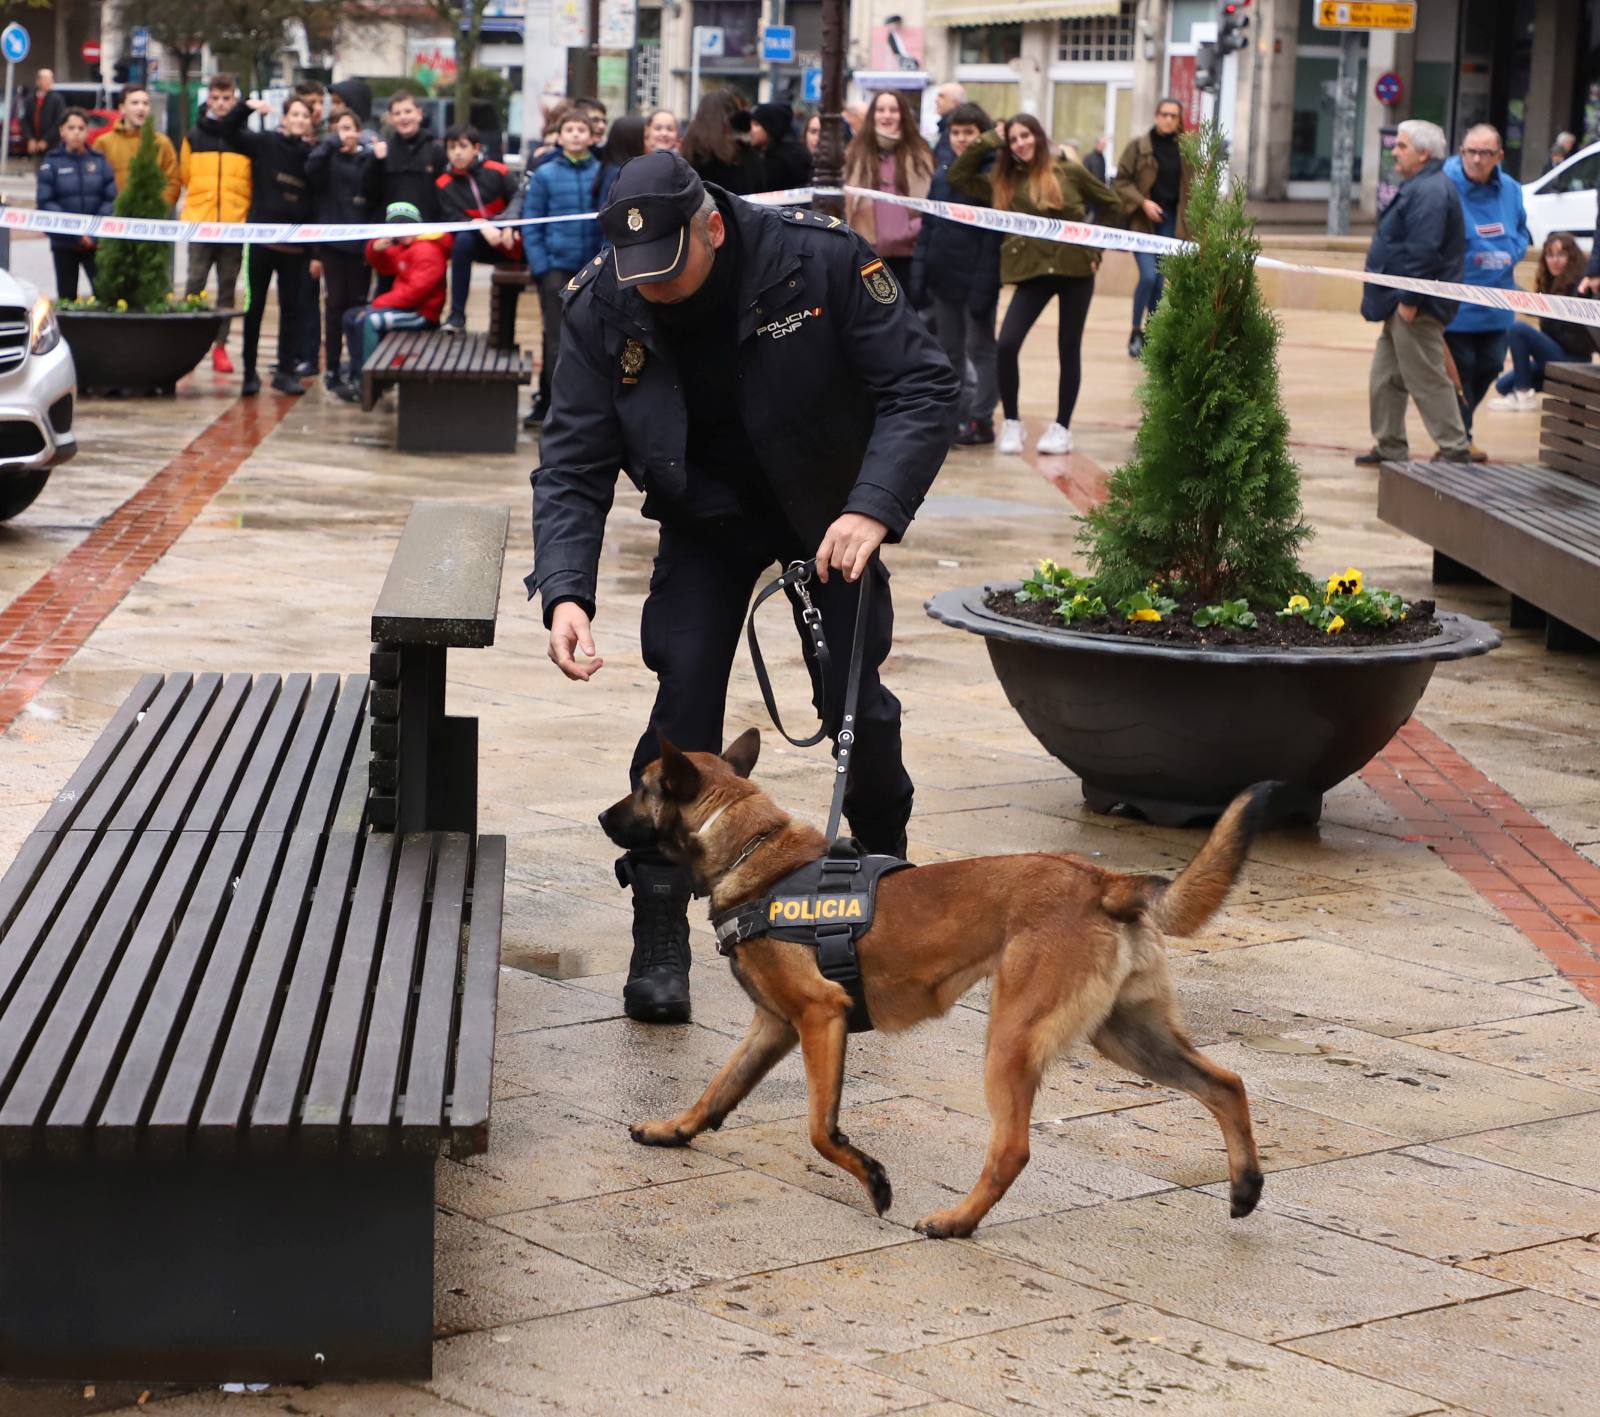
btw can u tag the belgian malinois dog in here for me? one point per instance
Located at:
(1073, 951)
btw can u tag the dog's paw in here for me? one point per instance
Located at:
(878, 1186)
(659, 1134)
(1244, 1194)
(944, 1225)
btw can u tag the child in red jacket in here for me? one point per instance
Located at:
(418, 265)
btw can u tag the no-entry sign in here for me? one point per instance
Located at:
(91, 51)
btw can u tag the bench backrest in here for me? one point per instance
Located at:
(443, 586)
(1569, 429)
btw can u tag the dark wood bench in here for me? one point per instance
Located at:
(506, 285)
(239, 1022)
(458, 394)
(1533, 529)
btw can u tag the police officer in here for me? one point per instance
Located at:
(760, 375)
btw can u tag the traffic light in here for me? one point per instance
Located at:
(121, 72)
(1231, 26)
(1207, 67)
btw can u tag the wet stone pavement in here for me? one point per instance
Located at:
(1422, 1066)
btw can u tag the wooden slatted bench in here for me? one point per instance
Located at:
(238, 1023)
(506, 285)
(1533, 529)
(458, 394)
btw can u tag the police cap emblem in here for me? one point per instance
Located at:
(879, 283)
(632, 358)
(635, 219)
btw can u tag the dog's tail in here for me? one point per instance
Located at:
(1183, 906)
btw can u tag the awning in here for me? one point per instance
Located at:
(956, 13)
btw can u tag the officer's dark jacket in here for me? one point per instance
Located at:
(1421, 233)
(848, 400)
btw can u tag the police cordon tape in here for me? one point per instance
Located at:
(1578, 310)
(256, 233)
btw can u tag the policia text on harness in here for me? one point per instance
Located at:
(829, 902)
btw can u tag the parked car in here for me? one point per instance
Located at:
(1563, 199)
(38, 387)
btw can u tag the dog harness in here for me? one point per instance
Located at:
(827, 904)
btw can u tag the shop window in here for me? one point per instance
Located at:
(739, 21)
(1098, 39)
(997, 100)
(991, 44)
(1078, 115)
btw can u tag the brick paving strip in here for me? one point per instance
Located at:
(50, 621)
(1543, 886)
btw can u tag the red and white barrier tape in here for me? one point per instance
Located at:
(1576, 309)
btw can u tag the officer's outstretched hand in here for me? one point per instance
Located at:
(569, 632)
(846, 545)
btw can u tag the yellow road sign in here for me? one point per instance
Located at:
(1366, 15)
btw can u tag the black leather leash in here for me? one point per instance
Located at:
(793, 582)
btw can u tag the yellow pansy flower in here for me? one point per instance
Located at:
(1335, 625)
(1349, 583)
(1298, 602)
(1146, 614)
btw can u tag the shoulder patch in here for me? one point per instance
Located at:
(582, 276)
(803, 216)
(879, 282)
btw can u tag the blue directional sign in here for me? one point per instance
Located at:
(811, 86)
(777, 44)
(14, 43)
(138, 42)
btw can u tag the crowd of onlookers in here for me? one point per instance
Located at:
(325, 160)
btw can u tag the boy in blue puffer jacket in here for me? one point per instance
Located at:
(74, 179)
(1497, 238)
(573, 181)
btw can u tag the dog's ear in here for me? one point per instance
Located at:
(680, 779)
(741, 754)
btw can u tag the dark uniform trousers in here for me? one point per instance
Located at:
(694, 614)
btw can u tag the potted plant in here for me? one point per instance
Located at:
(134, 335)
(1195, 656)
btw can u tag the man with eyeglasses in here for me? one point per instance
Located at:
(1497, 238)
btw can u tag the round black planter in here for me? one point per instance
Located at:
(1174, 734)
(137, 354)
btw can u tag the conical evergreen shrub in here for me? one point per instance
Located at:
(133, 274)
(1210, 500)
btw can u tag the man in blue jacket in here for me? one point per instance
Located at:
(572, 182)
(74, 179)
(1497, 238)
(1420, 234)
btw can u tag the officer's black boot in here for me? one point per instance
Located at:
(657, 990)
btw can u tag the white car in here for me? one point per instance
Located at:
(38, 387)
(1563, 199)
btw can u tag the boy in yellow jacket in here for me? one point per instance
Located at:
(215, 169)
(118, 145)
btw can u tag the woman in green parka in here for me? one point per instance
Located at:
(1029, 176)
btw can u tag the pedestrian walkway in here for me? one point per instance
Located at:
(1402, 990)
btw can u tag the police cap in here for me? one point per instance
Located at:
(647, 219)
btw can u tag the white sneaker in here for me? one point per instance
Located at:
(1518, 401)
(1012, 436)
(1055, 439)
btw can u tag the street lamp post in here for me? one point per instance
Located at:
(829, 169)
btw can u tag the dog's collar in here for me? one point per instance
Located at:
(749, 848)
(710, 821)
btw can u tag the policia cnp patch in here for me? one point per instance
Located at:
(879, 283)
